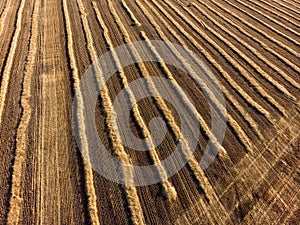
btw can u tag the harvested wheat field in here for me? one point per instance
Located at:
(251, 46)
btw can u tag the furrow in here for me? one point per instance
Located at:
(2, 7)
(239, 132)
(296, 3)
(230, 59)
(193, 163)
(89, 180)
(235, 103)
(134, 20)
(226, 76)
(4, 15)
(168, 189)
(11, 55)
(131, 192)
(261, 43)
(163, 107)
(288, 7)
(271, 18)
(40, 158)
(16, 199)
(235, 64)
(167, 113)
(286, 47)
(260, 71)
(204, 215)
(287, 16)
(265, 24)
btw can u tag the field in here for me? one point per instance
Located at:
(251, 46)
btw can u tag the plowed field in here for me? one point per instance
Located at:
(251, 46)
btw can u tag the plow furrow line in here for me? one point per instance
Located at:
(2, 7)
(294, 1)
(11, 55)
(293, 8)
(246, 142)
(193, 163)
(235, 103)
(131, 192)
(265, 24)
(286, 16)
(278, 197)
(260, 71)
(226, 76)
(293, 203)
(245, 53)
(130, 13)
(238, 130)
(261, 43)
(4, 13)
(89, 182)
(232, 61)
(168, 189)
(161, 104)
(282, 183)
(21, 140)
(240, 133)
(284, 26)
(286, 47)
